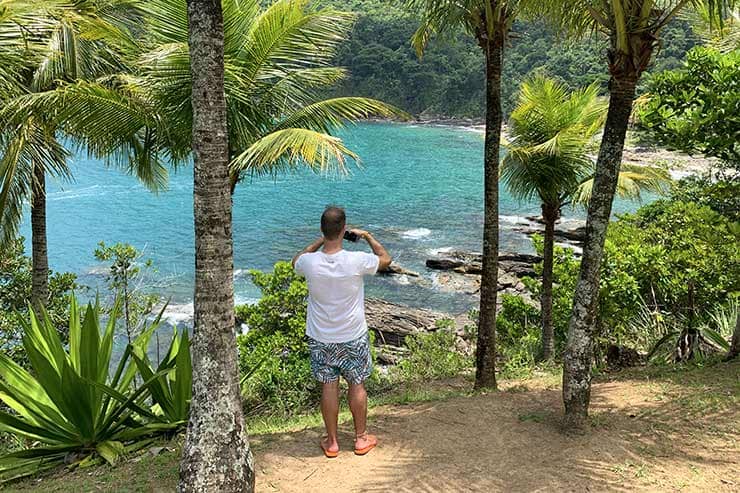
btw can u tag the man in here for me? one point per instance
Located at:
(335, 324)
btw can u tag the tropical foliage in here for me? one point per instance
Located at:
(696, 108)
(49, 44)
(70, 402)
(548, 160)
(449, 81)
(274, 351)
(279, 61)
(15, 291)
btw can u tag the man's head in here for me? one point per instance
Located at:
(332, 222)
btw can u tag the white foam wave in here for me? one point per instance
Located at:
(514, 219)
(437, 251)
(179, 314)
(416, 233)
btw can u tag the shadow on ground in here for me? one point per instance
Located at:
(664, 433)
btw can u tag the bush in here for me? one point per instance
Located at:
(15, 292)
(276, 346)
(680, 259)
(433, 355)
(696, 108)
(720, 191)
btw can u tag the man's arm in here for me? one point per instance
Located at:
(384, 258)
(313, 247)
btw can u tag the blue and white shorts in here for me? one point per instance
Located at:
(352, 360)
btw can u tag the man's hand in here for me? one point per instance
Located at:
(361, 233)
(384, 259)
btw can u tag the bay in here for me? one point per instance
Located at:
(419, 189)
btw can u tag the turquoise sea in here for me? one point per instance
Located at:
(418, 189)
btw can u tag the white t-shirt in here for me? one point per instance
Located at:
(336, 293)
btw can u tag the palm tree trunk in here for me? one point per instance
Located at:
(550, 216)
(579, 349)
(485, 366)
(216, 455)
(39, 255)
(735, 344)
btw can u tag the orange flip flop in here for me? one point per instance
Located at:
(328, 453)
(373, 443)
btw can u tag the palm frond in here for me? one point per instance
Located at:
(632, 182)
(551, 129)
(26, 146)
(330, 114)
(284, 150)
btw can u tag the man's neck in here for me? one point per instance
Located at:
(332, 246)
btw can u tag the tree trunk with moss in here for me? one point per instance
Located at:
(550, 215)
(39, 254)
(216, 455)
(579, 349)
(485, 374)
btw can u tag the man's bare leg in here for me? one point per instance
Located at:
(357, 397)
(330, 412)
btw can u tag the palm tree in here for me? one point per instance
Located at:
(279, 61)
(216, 456)
(551, 133)
(489, 22)
(57, 42)
(633, 28)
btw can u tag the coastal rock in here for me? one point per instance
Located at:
(458, 261)
(390, 355)
(395, 269)
(392, 322)
(461, 262)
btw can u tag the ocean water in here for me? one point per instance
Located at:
(419, 189)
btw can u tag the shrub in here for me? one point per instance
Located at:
(433, 355)
(720, 191)
(15, 291)
(515, 319)
(519, 357)
(680, 259)
(275, 350)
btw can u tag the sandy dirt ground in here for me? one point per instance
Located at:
(645, 436)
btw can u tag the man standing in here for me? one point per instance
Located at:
(335, 324)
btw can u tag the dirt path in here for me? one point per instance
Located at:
(650, 436)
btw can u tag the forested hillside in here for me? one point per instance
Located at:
(449, 79)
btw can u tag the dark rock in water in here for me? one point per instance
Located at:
(516, 264)
(623, 357)
(395, 269)
(458, 261)
(577, 235)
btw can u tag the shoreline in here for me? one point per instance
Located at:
(679, 165)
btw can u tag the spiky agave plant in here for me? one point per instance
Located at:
(70, 402)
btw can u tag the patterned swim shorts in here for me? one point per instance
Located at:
(350, 359)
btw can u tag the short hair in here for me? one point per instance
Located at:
(332, 221)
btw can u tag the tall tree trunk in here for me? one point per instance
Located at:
(39, 255)
(735, 344)
(216, 455)
(550, 216)
(578, 352)
(485, 366)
